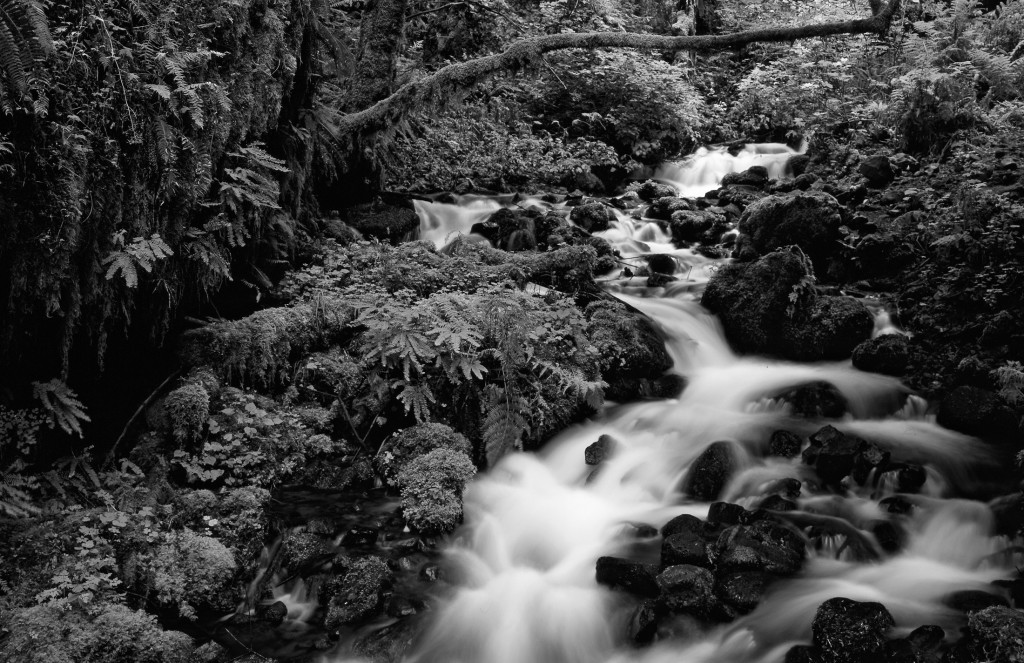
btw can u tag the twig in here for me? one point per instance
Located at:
(149, 399)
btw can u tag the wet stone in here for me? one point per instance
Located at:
(816, 400)
(684, 548)
(726, 513)
(784, 444)
(778, 503)
(910, 478)
(686, 588)
(972, 600)
(643, 624)
(848, 631)
(764, 546)
(627, 575)
(710, 472)
(684, 523)
(601, 450)
(742, 590)
(360, 536)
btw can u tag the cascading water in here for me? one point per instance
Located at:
(524, 563)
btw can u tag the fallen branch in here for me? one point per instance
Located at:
(529, 52)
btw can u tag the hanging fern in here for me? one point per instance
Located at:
(503, 424)
(144, 253)
(24, 42)
(61, 405)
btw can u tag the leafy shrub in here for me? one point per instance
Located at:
(930, 105)
(110, 633)
(639, 104)
(187, 407)
(189, 570)
(411, 443)
(432, 486)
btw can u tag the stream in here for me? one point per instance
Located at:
(524, 562)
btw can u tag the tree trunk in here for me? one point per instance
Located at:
(379, 42)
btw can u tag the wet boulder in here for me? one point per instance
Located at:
(661, 263)
(871, 459)
(848, 631)
(684, 547)
(797, 164)
(510, 229)
(741, 590)
(711, 472)
(784, 444)
(976, 411)
(831, 329)
(910, 478)
(993, 634)
(833, 454)
(888, 354)
(592, 217)
(973, 600)
(815, 400)
(359, 594)
(753, 176)
(765, 546)
(683, 524)
(809, 220)
(704, 226)
(877, 170)
(628, 575)
(770, 306)
(651, 191)
(385, 222)
(882, 254)
(629, 348)
(643, 623)
(599, 451)
(686, 589)
(664, 208)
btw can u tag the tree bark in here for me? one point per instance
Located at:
(379, 42)
(528, 52)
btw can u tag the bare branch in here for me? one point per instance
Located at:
(528, 52)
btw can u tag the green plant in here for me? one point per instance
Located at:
(189, 570)
(187, 407)
(1010, 378)
(406, 445)
(24, 43)
(126, 259)
(431, 487)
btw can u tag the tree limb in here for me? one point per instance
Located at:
(528, 52)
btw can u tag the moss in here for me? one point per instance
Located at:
(998, 632)
(432, 487)
(358, 595)
(411, 443)
(187, 409)
(109, 633)
(191, 571)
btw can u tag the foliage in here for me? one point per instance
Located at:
(187, 407)
(432, 486)
(639, 104)
(111, 633)
(126, 259)
(1010, 378)
(189, 570)
(25, 42)
(61, 406)
(491, 146)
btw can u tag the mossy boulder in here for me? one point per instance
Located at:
(510, 229)
(996, 634)
(809, 220)
(705, 226)
(651, 191)
(888, 354)
(187, 409)
(629, 347)
(359, 594)
(848, 631)
(385, 222)
(592, 217)
(192, 572)
(432, 486)
(108, 633)
(770, 306)
(976, 411)
(405, 446)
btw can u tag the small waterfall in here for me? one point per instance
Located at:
(704, 170)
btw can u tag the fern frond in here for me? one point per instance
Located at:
(503, 426)
(62, 405)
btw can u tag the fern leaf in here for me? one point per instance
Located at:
(61, 405)
(123, 263)
(503, 428)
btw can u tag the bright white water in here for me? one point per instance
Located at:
(704, 170)
(535, 525)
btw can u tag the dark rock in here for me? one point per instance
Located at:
(726, 513)
(784, 444)
(910, 478)
(877, 170)
(754, 304)
(899, 651)
(996, 634)
(882, 254)
(651, 190)
(601, 450)
(887, 354)
(926, 638)
(683, 524)
(742, 590)
(627, 575)
(816, 400)
(896, 505)
(889, 536)
(797, 164)
(832, 328)
(430, 572)
(360, 536)
(777, 503)
(976, 412)
(871, 458)
(629, 347)
(833, 454)
(847, 631)
(1008, 511)
(753, 176)
(972, 600)
(510, 229)
(592, 217)
(663, 208)
(809, 220)
(399, 606)
(685, 547)
(764, 546)
(359, 594)
(686, 588)
(705, 226)
(385, 222)
(274, 613)
(710, 472)
(803, 654)
(662, 263)
(643, 624)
